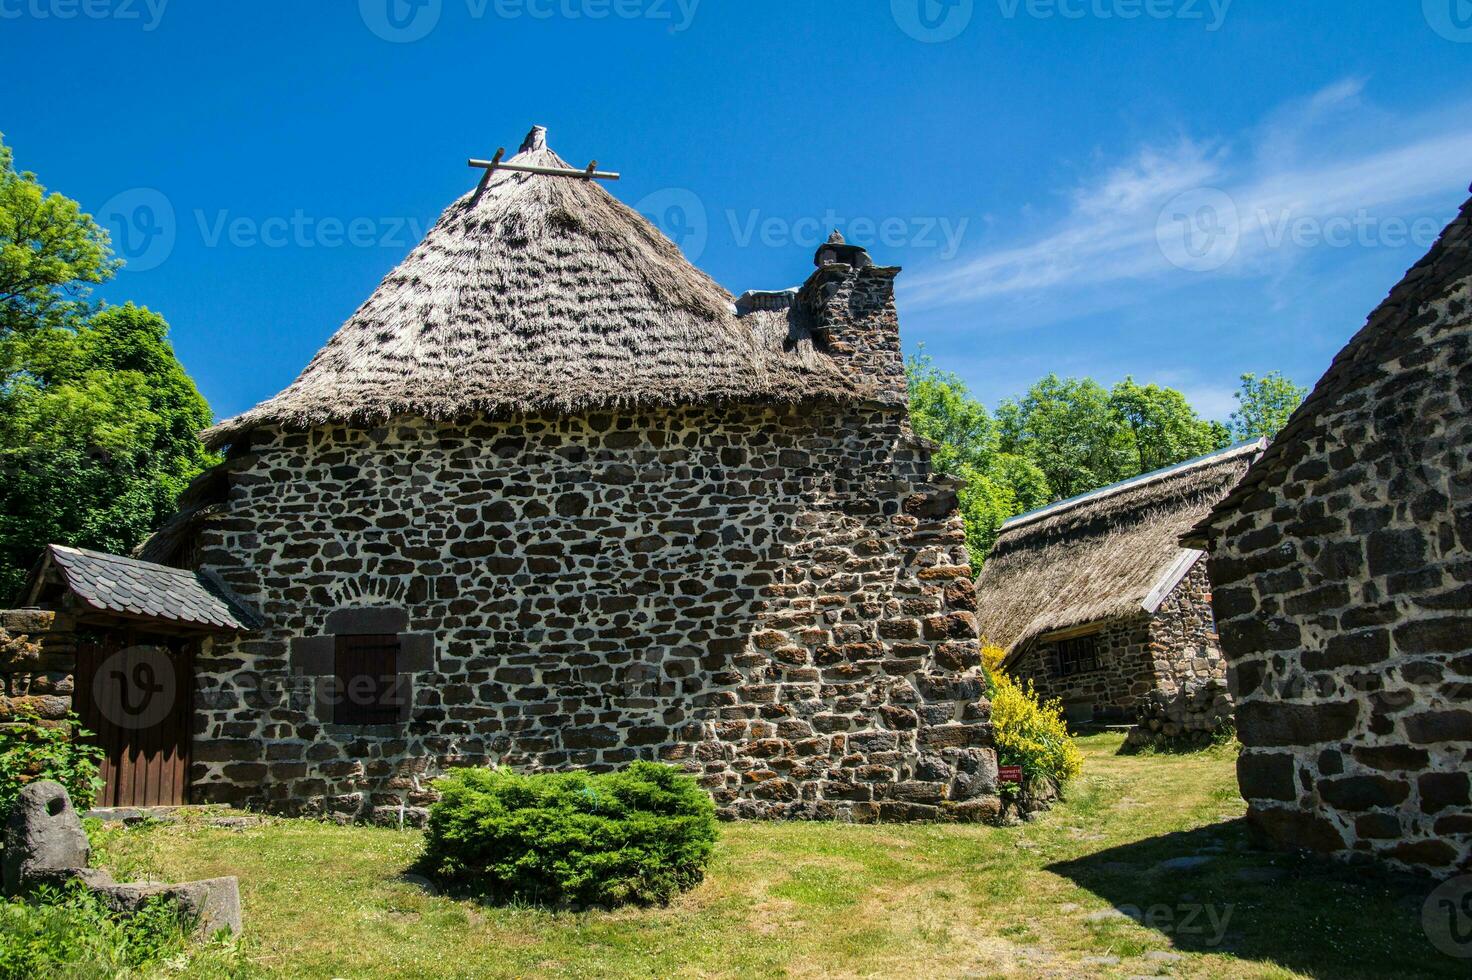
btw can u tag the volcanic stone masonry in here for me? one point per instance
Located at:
(778, 599)
(1343, 575)
(774, 595)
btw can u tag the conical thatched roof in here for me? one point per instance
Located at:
(545, 294)
(1108, 553)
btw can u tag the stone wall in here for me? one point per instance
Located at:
(1125, 670)
(1342, 589)
(1191, 698)
(38, 654)
(777, 599)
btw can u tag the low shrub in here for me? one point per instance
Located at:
(30, 750)
(1031, 732)
(70, 933)
(638, 836)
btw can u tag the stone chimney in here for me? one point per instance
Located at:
(849, 305)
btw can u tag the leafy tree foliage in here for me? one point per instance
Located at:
(998, 484)
(1068, 427)
(50, 253)
(1264, 405)
(1063, 437)
(98, 420)
(1163, 426)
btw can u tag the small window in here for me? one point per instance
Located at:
(368, 690)
(1078, 655)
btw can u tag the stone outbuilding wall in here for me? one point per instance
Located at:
(778, 599)
(1343, 574)
(1162, 671)
(1108, 694)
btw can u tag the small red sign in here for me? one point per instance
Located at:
(1009, 774)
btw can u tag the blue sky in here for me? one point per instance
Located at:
(1181, 190)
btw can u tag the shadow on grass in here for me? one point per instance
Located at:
(1211, 890)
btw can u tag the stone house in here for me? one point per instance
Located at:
(1096, 602)
(1343, 573)
(552, 497)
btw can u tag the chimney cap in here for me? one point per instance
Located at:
(836, 251)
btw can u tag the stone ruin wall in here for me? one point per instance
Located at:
(1342, 590)
(776, 599)
(1191, 698)
(38, 657)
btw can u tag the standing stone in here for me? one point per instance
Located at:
(44, 834)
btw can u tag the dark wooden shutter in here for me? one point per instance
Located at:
(368, 690)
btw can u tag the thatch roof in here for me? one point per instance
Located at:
(1108, 553)
(546, 294)
(1387, 336)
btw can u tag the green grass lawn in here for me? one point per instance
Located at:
(840, 900)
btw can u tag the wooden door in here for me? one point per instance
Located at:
(136, 694)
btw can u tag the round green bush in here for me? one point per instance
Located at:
(638, 836)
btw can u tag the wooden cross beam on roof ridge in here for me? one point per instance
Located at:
(492, 165)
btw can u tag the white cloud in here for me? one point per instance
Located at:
(1329, 166)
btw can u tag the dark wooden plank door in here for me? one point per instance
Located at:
(137, 697)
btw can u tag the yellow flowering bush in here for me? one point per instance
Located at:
(992, 657)
(1030, 732)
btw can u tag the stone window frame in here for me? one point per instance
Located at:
(316, 657)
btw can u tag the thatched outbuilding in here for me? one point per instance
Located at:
(1096, 602)
(1343, 572)
(552, 497)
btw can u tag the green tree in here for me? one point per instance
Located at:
(1164, 428)
(1264, 405)
(998, 484)
(50, 253)
(98, 420)
(1069, 430)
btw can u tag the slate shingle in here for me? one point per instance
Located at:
(140, 588)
